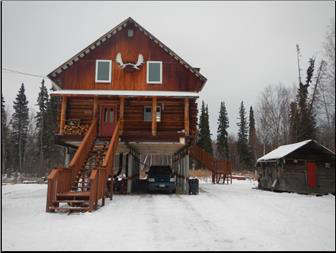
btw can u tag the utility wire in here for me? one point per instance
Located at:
(22, 73)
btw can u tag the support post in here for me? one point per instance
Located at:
(154, 104)
(187, 173)
(67, 157)
(186, 116)
(121, 114)
(63, 114)
(129, 165)
(95, 108)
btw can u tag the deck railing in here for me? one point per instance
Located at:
(100, 175)
(61, 179)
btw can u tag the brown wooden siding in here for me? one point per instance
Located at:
(170, 128)
(81, 75)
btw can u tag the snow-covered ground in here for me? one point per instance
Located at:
(221, 217)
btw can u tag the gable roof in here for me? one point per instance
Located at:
(285, 150)
(109, 35)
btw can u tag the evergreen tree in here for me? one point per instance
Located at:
(222, 134)
(293, 120)
(306, 119)
(201, 127)
(207, 136)
(252, 137)
(42, 123)
(4, 136)
(55, 154)
(242, 143)
(19, 124)
(301, 114)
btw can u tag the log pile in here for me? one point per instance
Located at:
(73, 127)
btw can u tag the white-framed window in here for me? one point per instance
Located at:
(148, 113)
(154, 71)
(103, 71)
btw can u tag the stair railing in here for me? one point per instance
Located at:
(216, 166)
(61, 179)
(99, 176)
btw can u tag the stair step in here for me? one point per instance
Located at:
(73, 196)
(70, 201)
(69, 208)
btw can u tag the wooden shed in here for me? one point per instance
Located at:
(303, 167)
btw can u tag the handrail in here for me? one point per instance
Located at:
(99, 176)
(79, 158)
(60, 179)
(216, 166)
(109, 157)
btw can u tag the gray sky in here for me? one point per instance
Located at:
(241, 47)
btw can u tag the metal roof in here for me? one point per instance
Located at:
(127, 93)
(284, 150)
(109, 35)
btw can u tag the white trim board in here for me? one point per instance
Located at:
(130, 93)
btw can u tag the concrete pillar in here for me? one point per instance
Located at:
(130, 174)
(67, 157)
(187, 174)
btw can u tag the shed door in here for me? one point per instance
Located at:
(311, 174)
(107, 120)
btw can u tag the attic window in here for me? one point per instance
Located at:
(130, 33)
(103, 71)
(154, 71)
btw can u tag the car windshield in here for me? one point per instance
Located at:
(160, 170)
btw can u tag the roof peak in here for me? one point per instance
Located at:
(109, 35)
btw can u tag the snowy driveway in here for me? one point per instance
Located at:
(221, 217)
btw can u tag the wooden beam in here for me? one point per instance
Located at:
(154, 104)
(95, 108)
(121, 111)
(186, 116)
(63, 114)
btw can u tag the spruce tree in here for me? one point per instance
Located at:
(42, 123)
(252, 137)
(4, 133)
(201, 127)
(222, 134)
(293, 121)
(242, 143)
(207, 135)
(55, 155)
(19, 122)
(303, 124)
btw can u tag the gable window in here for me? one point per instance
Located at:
(103, 71)
(130, 32)
(154, 71)
(148, 113)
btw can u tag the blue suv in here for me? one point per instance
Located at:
(161, 178)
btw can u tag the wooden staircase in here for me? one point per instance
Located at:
(221, 169)
(88, 177)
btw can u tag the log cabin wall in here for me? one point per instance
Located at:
(81, 74)
(170, 127)
(292, 177)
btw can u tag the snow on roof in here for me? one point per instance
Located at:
(145, 93)
(283, 151)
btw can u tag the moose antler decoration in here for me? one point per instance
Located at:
(130, 66)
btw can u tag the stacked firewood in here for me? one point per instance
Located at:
(73, 127)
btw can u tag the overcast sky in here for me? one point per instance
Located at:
(241, 47)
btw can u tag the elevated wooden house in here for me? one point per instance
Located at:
(124, 95)
(303, 167)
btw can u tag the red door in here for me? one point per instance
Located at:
(311, 174)
(107, 120)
